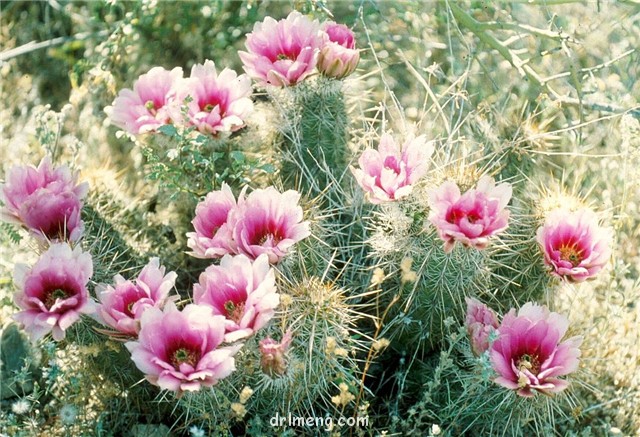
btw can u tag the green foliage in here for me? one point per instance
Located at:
(187, 162)
(10, 232)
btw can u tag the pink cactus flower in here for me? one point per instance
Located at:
(471, 218)
(338, 57)
(273, 355)
(45, 200)
(212, 237)
(53, 293)
(575, 247)
(528, 355)
(218, 102)
(121, 307)
(268, 222)
(180, 350)
(242, 291)
(282, 53)
(147, 106)
(481, 321)
(388, 174)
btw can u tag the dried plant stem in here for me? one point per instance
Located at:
(369, 359)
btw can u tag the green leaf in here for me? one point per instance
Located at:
(237, 156)
(168, 129)
(268, 168)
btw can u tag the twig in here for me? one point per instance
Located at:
(426, 86)
(525, 70)
(590, 69)
(531, 30)
(33, 45)
(477, 28)
(370, 354)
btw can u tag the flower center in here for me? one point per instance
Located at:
(274, 239)
(528, 362)
(209, 107)
(570, 253)
(184, 355)
(391, 163)
(53, 295)
(151, 107)
(282, 57)
(234, 310)
(129, 309)
(473, 217)
(57, 230)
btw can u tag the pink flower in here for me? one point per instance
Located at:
(46, 200)
(212, 237)
(180, 350)
(574, 245)
(273, 355)
(473, 217)
(219, 102)
(53, 293)
(282, 53)
(146, 107)
(121, 307)
(338, 57)
(242, 291)
(389, 173)
(528, 355)
(268, 222)
(481, 321)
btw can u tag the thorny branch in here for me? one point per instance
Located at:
(480, 30)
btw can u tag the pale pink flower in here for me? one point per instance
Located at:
(53, 293)
(147, 106)
(180, 350)
(282, 53)
(273, 355)
(471, 218)
(212, 237)
(480, 321)
(575, 247)
(121, 307)
(218, 102)
(45, 200)
(528, 355)
(338, 57)
(268, 222)
(388, 174)
(242, 291)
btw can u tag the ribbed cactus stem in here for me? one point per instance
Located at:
(315, 146)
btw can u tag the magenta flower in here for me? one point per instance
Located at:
(121, 307)
(242, 291)
(528, 355)
(212, 237)
(53, 293)
(218, 102)
(146, 107)
(338, 57)
(180, 350)
(471, 218)
(273, 355)
(268, 222)
(45, 200)
(480, 321)
(282, 53)
(575, 247)
(389, 173)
